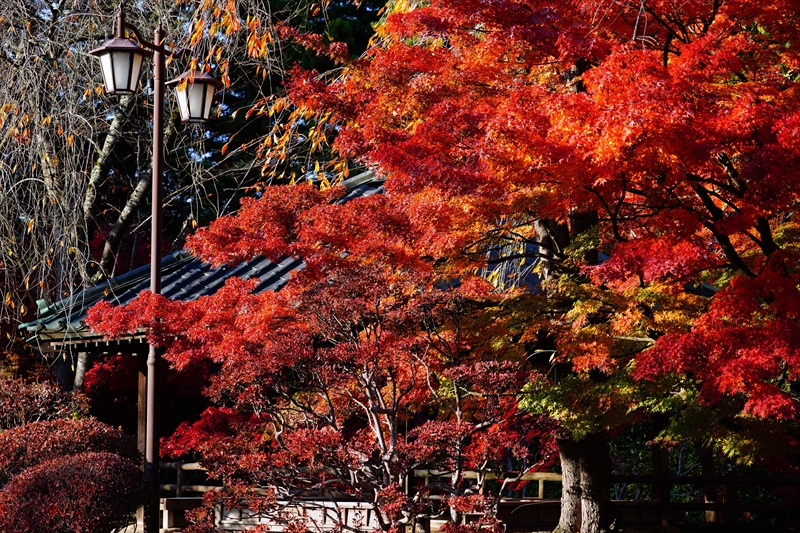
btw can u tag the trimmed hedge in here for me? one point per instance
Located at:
(26, 446)
(83, 493)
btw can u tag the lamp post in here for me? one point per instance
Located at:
(121, 61)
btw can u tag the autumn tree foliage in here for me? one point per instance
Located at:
(362, 368)
(661, 134)
(543, 137)
(85, 493)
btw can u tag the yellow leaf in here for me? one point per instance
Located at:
(30, 225)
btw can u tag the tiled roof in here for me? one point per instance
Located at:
(184, 277)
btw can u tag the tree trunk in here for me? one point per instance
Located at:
(81, 365)
(100, 168)
(595, 484)
(570, 519)
(586, 487)
(108, 259)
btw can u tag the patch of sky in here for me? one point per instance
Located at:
(198, 156)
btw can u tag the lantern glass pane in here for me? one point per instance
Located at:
(122, 69)
(210, 90)
(196, 100)
(108, 72)
(137, 67)
(183, 103)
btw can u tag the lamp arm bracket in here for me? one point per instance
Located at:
(153, 47)
(177, 54)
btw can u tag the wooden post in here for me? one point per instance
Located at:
(141, 403)
(179, 480)
(661, 483)
(732, 498)
(141, 412)
(709, 490)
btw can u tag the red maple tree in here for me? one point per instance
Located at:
(364, 367)
(663, 135)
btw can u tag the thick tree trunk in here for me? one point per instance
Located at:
(586, 488)
(100, 168)
(108, 260)
(554, 238)
(595, 484)
(81, 366)
(570, 519)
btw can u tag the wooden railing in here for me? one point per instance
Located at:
(180, 487)
(537, 510)
(658, 510)
(541, 477)
(730, 504)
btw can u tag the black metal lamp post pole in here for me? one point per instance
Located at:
(121, 61)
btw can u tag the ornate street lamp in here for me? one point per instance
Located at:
(121, 61)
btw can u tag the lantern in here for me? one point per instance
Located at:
(196, 91)
(121, 61)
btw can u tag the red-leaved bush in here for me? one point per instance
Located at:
(26, 446)
(83, 493)
(22, 403)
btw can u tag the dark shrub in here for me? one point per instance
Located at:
(83, 493)
(26, 446)
(22, 403)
